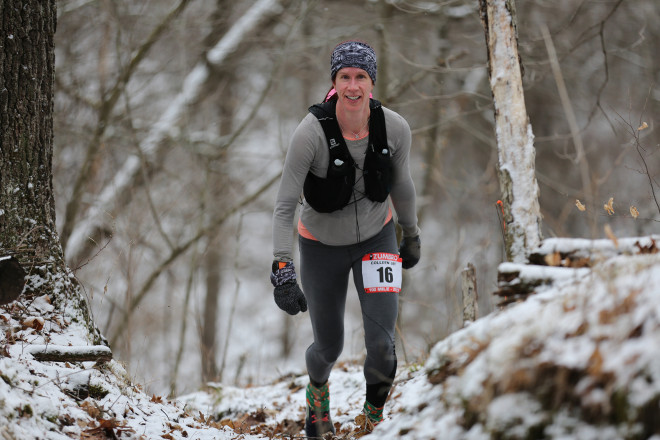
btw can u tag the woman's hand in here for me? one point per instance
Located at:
(288, 295)
(410, 251)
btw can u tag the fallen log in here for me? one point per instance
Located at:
(517, 281)
(558, 259)
(470, 295)
(581, 252)
(64, 353)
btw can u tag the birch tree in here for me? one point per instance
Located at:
(515, 140)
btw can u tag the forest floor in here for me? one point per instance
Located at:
(575, 359)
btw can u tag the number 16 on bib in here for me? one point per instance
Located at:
(381, 272)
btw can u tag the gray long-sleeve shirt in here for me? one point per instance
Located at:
(358, 221)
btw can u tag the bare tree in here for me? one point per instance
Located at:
(109, 100)
(27, 206)
(193, 91)
(515, 141)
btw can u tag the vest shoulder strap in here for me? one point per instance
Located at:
(377, 129)
(326, 115)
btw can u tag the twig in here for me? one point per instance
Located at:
(234, 300)
(601, 33)
(572, 122)
(638, 146)
(89, 260)
(178, 251)
(105, 112)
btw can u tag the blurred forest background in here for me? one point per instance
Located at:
(172, 121)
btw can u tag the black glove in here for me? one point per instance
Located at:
(410, 251)
(287, 293)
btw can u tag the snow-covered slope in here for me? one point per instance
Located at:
(577, 360)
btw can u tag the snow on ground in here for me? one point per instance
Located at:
(578, 360)
(81, 400)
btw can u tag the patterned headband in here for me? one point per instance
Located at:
(353, 54)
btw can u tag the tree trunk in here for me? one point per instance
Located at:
(27, 207)
(208, 346)
(515, 141)
(26, 107)
(216, 181)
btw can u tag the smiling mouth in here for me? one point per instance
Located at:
(353, 98)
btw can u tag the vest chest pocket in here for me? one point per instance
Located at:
(332, 193)
(378, 173)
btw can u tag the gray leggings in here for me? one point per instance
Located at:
(324, 272)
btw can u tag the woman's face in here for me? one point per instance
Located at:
(353, 87)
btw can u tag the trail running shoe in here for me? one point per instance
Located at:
(317, 417)
(367, 420)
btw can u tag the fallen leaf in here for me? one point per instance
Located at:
(228, 423)
(634, 212)
(553, 259)
(106, 429)
(643, 126)
(578, 262)
(91, 409)
(35, 322)
(579, 205)
(595, 363)
(174, 427)
(650, 249)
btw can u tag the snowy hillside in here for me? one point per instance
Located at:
(576, 360)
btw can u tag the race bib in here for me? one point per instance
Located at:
(381, 272)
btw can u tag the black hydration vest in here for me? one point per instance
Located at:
(335, 191)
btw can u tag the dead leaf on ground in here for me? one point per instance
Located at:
(108, 428)
(650, 249)
(595, 363)
(91, 409)
(553, 259)
(578, 262)
(35, 322)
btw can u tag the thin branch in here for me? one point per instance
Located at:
(234, 301)
(105, 111)
(145, 177)
(184, 326)
(572, 122)
(638, 146)
(271, 80)
(180, 250)
(601, 33)
(192, 89)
